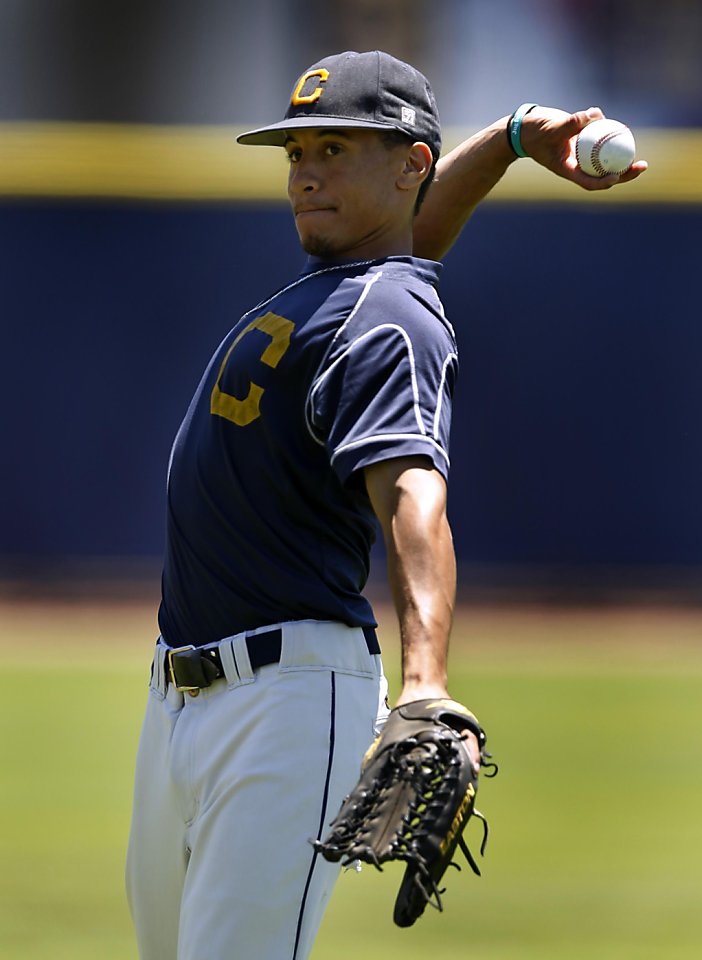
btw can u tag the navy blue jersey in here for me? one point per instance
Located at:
(268, 517)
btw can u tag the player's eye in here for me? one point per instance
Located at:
(293, 155)
(333, 149)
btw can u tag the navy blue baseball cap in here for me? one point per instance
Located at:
(373, 91)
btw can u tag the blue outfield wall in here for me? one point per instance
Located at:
(577, 420)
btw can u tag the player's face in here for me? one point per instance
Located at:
(343, 189)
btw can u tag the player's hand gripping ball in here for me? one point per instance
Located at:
(605, 146)
(413, 801)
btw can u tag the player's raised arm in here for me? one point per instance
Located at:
(463, 178)
(468, 173)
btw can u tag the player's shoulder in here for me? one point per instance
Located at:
(405, 275)
(401, 292)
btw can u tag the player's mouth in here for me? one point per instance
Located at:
(311, 211)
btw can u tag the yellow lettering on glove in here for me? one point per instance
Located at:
(458, 819)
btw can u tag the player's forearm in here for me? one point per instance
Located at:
(422, 573)
(410, 502)
(463, 178)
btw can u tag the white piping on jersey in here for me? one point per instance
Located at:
(364, 293)
(170, 459)
(439, 402)
(445, 318)
(307, 276)
(413, 375)
(308, 402)
(379, 437)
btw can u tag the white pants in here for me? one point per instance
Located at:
(232, 784)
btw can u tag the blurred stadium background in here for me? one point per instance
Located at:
(134, 232)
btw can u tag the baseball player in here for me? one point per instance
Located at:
(325, 411)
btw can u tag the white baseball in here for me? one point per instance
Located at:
(605, 146)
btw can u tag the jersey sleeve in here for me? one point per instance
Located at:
(386, 388)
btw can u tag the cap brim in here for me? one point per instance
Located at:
(276, 134)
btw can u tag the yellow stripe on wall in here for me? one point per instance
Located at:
(142, 162)
(205, 163)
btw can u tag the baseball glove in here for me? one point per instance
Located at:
(413, 801)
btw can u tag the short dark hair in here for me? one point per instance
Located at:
(396, 138)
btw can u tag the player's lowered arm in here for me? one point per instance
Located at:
(409, 498)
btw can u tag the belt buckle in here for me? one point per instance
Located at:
(171, 672)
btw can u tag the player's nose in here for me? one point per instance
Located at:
(304, 178)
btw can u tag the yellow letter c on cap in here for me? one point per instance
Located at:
(298, 99)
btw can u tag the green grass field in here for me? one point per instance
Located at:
(594, 716)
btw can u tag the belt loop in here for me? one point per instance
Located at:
(159, 679)
(241, 658)
(226, 653)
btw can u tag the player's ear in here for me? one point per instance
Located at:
(417, 165)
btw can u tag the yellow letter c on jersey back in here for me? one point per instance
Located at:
(245, 411)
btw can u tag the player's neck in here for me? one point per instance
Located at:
(397, 243)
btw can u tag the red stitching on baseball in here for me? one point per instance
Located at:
(595, 155)
(597, 149)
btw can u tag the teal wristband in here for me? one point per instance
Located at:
(514, 128)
